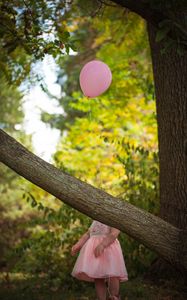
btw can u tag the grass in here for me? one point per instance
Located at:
(17, 286)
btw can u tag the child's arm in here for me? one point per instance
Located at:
(80, 243)
(108, 240)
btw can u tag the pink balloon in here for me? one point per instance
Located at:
(95, 78)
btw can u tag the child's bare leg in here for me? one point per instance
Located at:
(114, 287)
(100, 289)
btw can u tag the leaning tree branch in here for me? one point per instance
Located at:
(153, 232)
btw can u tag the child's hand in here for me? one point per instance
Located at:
(75, 249)
(80, 243)
(99, 250)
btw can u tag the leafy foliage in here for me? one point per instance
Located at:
(110, 141)
(11, 114)
(29, 30)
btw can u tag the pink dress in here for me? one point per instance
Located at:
(109, 264)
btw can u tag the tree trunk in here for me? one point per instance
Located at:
(170, 77)
(153, 232)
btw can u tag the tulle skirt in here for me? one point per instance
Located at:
(109, 264)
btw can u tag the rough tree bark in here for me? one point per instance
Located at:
(170, 75)
(153, 232)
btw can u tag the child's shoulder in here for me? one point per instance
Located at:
(96, 223)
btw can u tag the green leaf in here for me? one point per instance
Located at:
(161, 34)
(40, 206)
(64, 36)
(33, 203)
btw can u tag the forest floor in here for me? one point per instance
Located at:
(17, 287)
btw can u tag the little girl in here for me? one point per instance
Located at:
(100, 260)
